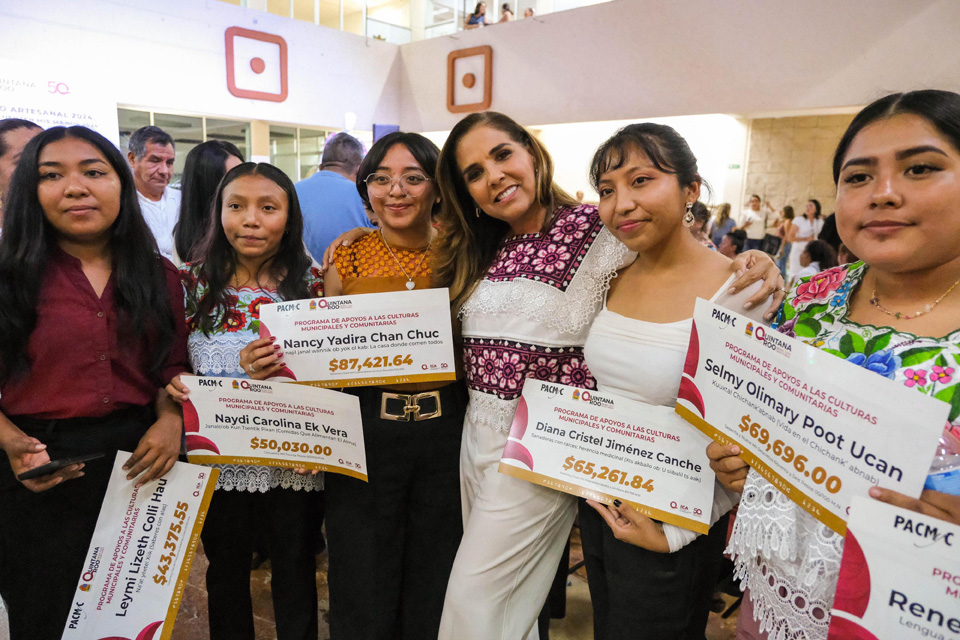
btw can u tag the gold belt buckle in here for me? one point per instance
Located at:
(416, 403)
(411, 408)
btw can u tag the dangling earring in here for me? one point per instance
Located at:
(688, 216)
(476, 210)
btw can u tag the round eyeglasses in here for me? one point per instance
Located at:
(412, 184)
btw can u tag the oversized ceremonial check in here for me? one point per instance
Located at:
(139, 558)
(600, 446)
(820, 429)
(899, 577)
(240, 421)
(364, 340)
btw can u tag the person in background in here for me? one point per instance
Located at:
(897, 170)
(528, 12)
(388, 581)
(151, 155)
(701, 218)
(845, 256)
(329, 197)
(754, 220)
(206, 164)
(784, 229)
(805, 228)
(732, 244)
(817, 256)
(478, 18)
(14, 136)
(252, 255)
(506, 13)
(93, 328)
(723, 223)
(828, 233)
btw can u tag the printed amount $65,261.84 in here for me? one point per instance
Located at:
(373, 362)
(606, 473)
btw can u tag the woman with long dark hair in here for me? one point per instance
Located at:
(205, 166)
(93, 329)
(252, 254)
(897, 170)
(381, 583)
(649, 579)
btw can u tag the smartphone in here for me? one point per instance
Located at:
(54, 465)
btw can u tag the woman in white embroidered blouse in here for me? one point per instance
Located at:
(898, 174)
(527, 267)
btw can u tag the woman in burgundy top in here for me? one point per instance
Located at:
(93, 329)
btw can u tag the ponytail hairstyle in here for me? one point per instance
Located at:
(141, 294)
(218, 259)
(469, 238)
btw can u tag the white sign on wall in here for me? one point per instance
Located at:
(51, 97)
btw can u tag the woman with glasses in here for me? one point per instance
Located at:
(393, 539)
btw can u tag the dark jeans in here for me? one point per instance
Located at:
(288, 519)
(643, 595)
(44, 537)
(392, 540)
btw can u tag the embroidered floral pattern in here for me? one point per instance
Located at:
(499, 367)
(552, 258)
(816, 312)
(820, 286)
(243, 305)
(254, 306)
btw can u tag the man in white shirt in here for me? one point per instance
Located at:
(151, 156)
(754, 222)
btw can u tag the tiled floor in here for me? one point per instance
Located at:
(577, 625)
(192, 619)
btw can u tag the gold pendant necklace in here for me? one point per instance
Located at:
(410, 283)
(875, 301)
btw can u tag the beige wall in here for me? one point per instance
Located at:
(790, 160)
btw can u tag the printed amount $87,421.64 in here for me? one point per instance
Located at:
(373, 362)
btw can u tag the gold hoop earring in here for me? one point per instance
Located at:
(688, 216)
(476, 211)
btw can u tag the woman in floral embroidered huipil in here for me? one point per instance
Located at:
(898, 175)
(528, 268)
(253, 255)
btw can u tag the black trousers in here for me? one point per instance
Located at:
(44, 537)
(643, 595)
(289, 520)
(392, 540)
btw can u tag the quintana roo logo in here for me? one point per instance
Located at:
(853, 594)
(514, 450)
(149, 632)
(688, 388)
(749, 330)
